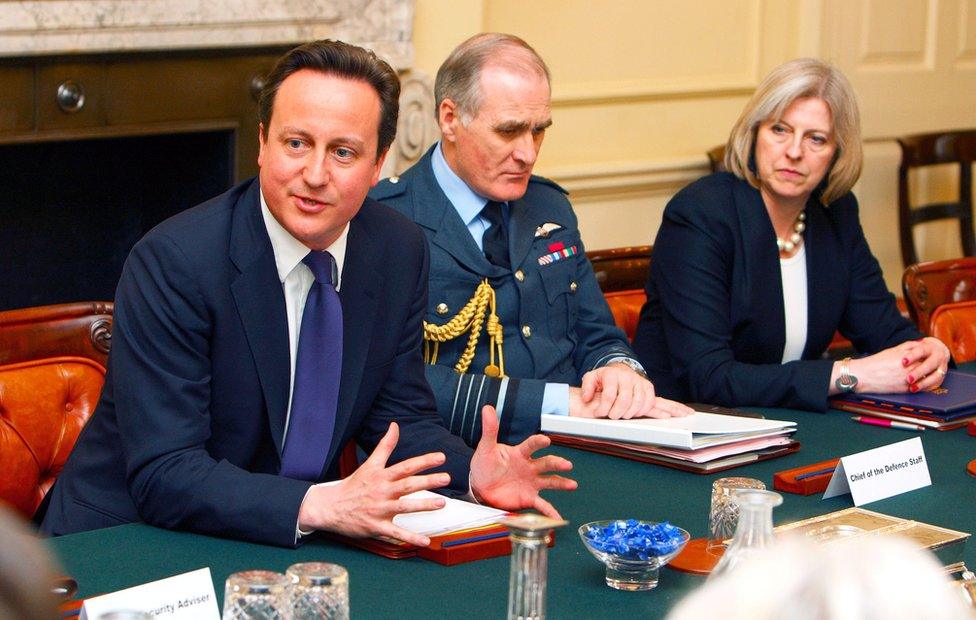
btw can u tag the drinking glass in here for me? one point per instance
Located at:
(257, 595)
(754, 531)
(319, 590)
(724, 512)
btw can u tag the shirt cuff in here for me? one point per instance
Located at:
(299, 533)
(555, 399)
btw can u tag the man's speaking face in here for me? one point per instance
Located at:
(318, 154)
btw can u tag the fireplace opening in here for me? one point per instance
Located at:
(70, 211)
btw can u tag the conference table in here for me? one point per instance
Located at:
(609, 488)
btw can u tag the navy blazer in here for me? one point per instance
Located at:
(188, 431)
(713, 328)
(557, 325)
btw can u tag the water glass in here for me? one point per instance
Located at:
(319, 590)
(724, 512)
(257, 595)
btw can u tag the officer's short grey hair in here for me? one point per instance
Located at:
(459, 77)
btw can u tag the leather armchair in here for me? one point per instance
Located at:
(51, 374)
(955, 325)
(929, 285)
(621, 274)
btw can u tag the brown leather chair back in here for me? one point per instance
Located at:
(929, 149)
(621, 274)
(716, 159)
(955, 325)
(927, 286)
(52, 367)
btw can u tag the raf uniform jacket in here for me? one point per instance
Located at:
(557, 325)
(713, 328)
(188, 431)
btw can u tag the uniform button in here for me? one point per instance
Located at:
(526, 331)
(441, 308)
(520, 275)
(572, 286)
(394, 180)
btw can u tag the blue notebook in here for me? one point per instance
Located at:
(955, 398)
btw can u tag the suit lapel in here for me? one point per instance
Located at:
(823, 275)
(261, 304)
(435, 212)
(765, 286)
(358, 290)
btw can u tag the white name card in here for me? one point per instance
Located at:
(190, 596)
(882, 472)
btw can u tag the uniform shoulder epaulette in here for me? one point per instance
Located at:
(549, 182)
(387, 188)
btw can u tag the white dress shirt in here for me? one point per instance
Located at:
(794, 273)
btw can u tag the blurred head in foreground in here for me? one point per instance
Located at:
(873, 578)
(26, 572)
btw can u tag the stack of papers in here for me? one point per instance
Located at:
(454, 516)
(459, 532)
(701, 442)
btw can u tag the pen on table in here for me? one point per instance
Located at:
(464, 541)
(905, 426)
(811, 474)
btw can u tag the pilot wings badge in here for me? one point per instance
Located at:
(546, 229)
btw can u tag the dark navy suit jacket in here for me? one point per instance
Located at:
(713, 329)
(188, 431)
(570, 327)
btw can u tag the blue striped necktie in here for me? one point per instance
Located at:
(318, 368)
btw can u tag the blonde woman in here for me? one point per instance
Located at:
(755, 269)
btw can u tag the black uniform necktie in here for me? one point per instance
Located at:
(495, 240)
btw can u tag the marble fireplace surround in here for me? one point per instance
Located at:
(70, 27)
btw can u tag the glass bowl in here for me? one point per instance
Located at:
(636, 569)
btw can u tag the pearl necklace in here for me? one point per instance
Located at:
(794, 241)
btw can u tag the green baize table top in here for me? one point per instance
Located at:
(609, 488)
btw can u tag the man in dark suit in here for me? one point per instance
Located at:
(488, 219)
(257, 333)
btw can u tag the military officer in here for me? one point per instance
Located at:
(515, 316)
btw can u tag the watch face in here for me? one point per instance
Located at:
(848, 386)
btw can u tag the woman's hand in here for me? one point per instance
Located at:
(927, 362)
(908, 367)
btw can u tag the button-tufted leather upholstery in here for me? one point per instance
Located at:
(929, 285)
(51, 374)
(955, 325)
(44, 405)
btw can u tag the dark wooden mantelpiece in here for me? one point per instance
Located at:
(134, 94)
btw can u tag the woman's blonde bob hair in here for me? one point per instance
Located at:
(797, 79)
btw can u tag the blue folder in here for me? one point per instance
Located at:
(955, 398)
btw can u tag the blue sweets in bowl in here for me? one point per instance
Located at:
(633, 550)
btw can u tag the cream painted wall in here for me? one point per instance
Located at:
(642, 88)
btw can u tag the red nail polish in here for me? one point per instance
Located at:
(914, 388)
(904, 361)
(911, 379)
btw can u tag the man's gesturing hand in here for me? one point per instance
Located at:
(508, 477)
(365, 503)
